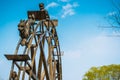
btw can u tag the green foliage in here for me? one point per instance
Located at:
(110, 72)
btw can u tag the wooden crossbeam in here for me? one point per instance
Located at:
(17, 57)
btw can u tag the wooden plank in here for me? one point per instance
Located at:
(39, 15)
(17, 57)
(51, 23)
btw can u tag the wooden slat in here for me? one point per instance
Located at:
(48, 23)
(39, 15)
(17, 57)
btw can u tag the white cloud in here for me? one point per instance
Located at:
(68, 12)
(68, 9)
(111, 13)
(68, 6)
(52, 4)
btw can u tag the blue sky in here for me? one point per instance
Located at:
(83, 42)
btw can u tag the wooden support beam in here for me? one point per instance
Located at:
(50, 58)
(39, 67)
(44, 62)
(32, 56)
(24, 70)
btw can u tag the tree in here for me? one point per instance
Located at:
(114, 16)
(109, 72)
